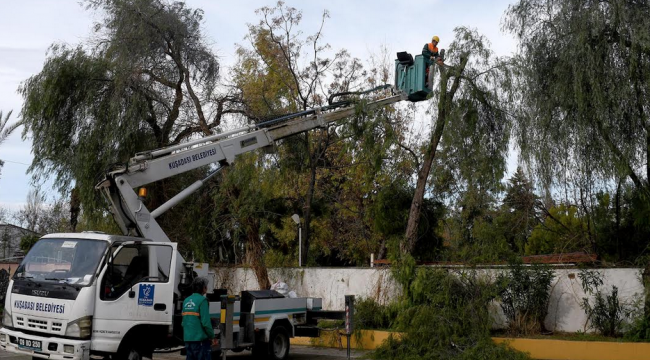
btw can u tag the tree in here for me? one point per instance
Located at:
(584, 69)
(4, 214)
(275, 80)
(5, 131)
(27, 241)
(147, 80)
(521, 211)
(467, 92)
(562, 231)
(40, 217)
(245, 211)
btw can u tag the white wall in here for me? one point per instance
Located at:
(331, 284)
(565, 313)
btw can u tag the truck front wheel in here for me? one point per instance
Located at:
(128, 353)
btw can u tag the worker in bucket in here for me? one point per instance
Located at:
(197, 328)
(431, 53)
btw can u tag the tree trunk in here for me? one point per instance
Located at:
(618, 219)
(444, 106)
(255, 254)
(647, 148)
(307, 214)
(408, 245)
(75, 207)
(314, 155)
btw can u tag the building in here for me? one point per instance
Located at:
(10, 253)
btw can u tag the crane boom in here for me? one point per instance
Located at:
(127, 207)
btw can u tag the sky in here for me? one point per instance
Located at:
(29, 27)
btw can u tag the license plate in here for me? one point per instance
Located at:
(29, 344)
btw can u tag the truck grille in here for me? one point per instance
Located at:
(56, 326)
(41, 325)
(37, 324)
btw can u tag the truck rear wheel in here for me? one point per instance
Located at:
(215, 354)
(277, 348)
(279, 345)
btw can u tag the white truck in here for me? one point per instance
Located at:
(81, 294)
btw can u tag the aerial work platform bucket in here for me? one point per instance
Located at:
(411, 76)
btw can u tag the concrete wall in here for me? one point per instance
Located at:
(331, 284)
(565, 313)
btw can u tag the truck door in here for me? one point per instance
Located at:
(136, 288)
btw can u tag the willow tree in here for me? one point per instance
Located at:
(468, 101)
(145, 79)
(585, 80)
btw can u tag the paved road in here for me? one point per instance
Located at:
(297, 353)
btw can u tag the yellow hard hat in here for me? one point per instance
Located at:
(436, 39)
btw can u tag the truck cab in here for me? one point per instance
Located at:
(82, 293)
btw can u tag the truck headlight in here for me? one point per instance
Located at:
(80, 328)
(7, 321)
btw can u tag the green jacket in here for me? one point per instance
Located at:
(428, 54)
(196, 319)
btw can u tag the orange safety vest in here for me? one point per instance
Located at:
(432, 48)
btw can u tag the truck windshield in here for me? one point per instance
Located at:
(70, 261)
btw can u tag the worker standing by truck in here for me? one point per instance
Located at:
(198, 333)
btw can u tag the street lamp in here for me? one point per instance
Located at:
(296, 219)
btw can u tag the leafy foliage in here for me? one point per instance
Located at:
(639, 330)
(27, 241)
(245, 212)
(5, 131)
(520, 211)
(443, 315)
(606, 313)
(563, 230)
(525, 296)
(370, 315)
(586, 117)
(471, 124)
(144, 84)
(39, 216)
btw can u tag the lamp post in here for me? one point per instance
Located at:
(296, 219)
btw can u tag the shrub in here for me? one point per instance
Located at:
(639, 329)
(524, 298)
(443, 315)
(606, 313)
(370, 315)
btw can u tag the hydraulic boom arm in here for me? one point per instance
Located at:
(118, 186)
